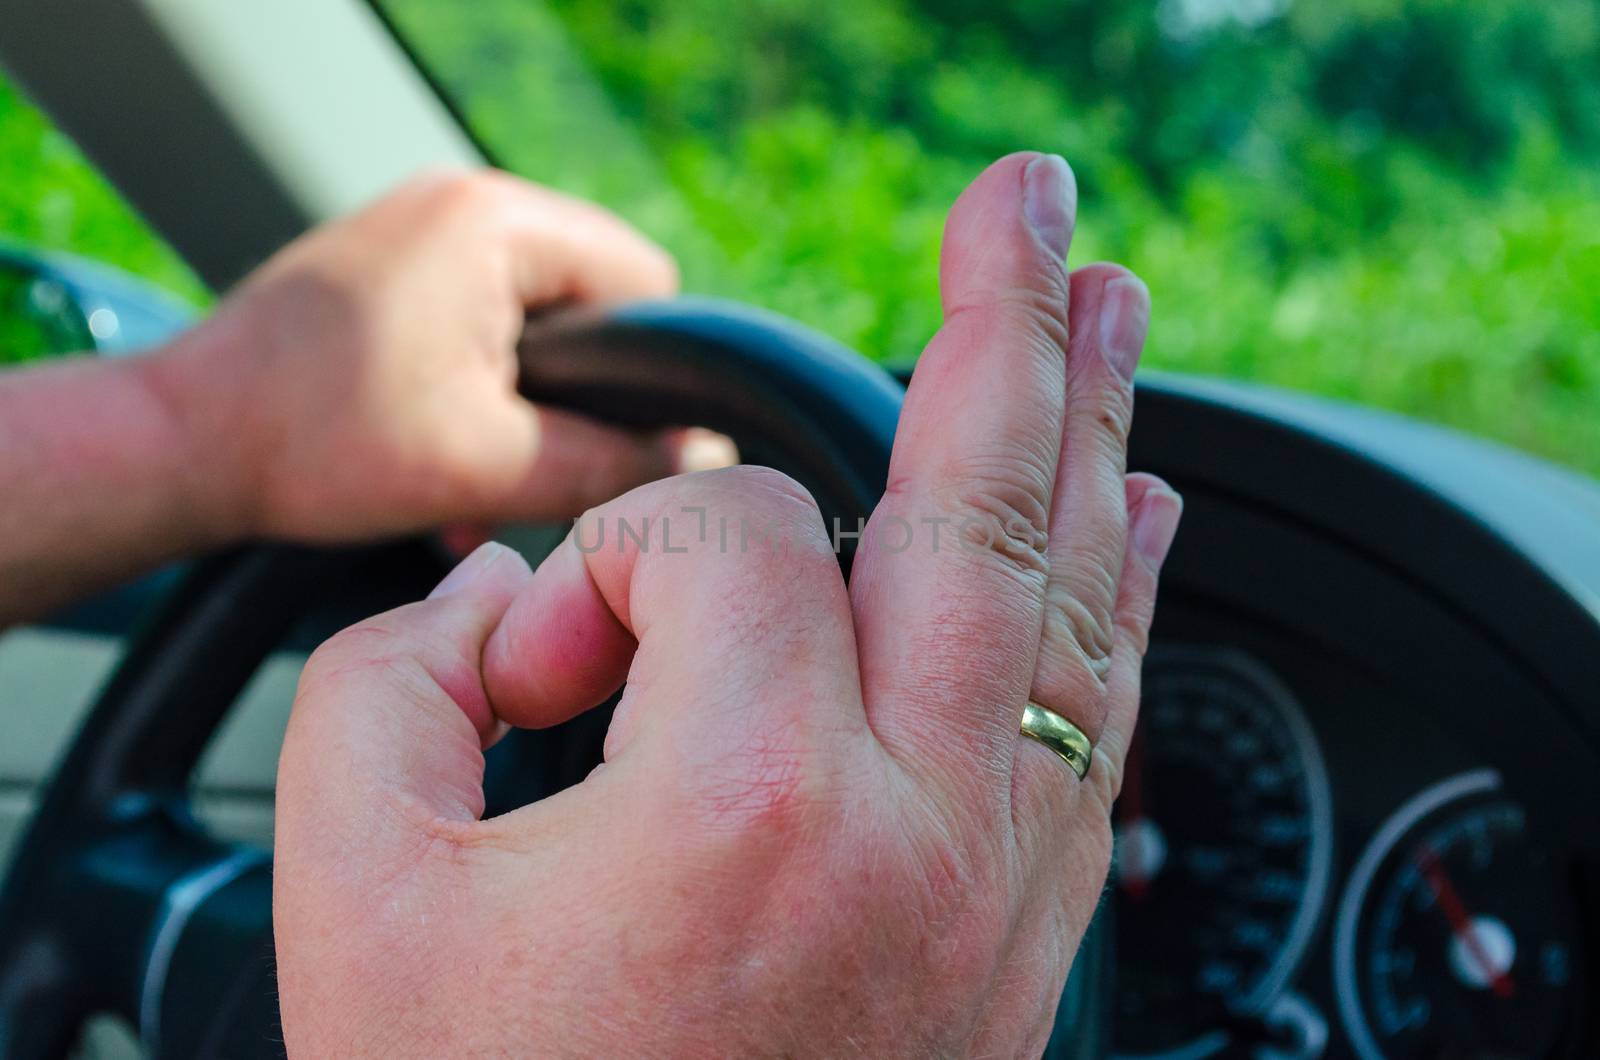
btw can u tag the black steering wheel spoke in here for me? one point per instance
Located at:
(108, 855)
(125, 907)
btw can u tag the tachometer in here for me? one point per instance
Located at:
(1454, 936)
(1223, 835)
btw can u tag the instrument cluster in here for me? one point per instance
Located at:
(1299, 875)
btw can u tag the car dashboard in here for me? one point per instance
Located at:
(1359, 816)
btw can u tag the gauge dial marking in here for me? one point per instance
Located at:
(1221, 858)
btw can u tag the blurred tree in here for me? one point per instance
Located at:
(1388, 200)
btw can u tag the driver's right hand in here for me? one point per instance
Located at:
(817, 831)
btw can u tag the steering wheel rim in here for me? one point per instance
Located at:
(118, 900)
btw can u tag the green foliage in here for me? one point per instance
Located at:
(1391, 201)
(52, 199)
(1396, 202)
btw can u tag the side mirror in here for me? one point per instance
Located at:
(55, 303)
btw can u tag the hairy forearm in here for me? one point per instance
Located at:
(101, 477)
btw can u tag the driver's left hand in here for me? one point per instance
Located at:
(363, 381)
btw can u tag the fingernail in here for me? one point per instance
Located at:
(1124, 319)
(470, 569)
(1050, 201)
(1155, 524)
(704, 450)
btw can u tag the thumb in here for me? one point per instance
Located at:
(386, 739)
(555, 464)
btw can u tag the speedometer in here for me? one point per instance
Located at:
(1223, 836)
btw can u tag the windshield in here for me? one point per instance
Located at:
(1394, 203)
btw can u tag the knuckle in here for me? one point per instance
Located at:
(758, 798)
(353, 667)
(767, 498)
(776, 785)
(368, 639)
(1000, 507)
(464, 192)
(425, 180)
(1041, 306)
(385, 649)
(761, 790)
(766, 485)
(1079, 609)
(1035, 311)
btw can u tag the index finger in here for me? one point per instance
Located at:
(949, 625)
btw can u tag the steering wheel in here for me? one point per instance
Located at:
(120, 901)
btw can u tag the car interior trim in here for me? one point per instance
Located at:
(296, 111)
(186, 895)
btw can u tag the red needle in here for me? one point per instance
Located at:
(1449, 902)
(1134, 878)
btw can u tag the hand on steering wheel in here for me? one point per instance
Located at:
(363, 382)
(817, 831)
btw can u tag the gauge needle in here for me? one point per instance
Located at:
(1462, 927)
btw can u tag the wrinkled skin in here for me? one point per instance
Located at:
(817, 831)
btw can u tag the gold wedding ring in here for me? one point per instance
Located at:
(1058, 734)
